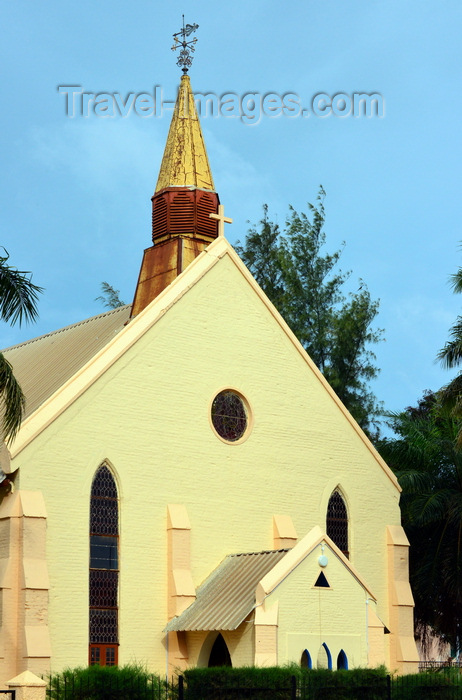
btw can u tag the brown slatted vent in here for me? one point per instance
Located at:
(182, 213)
(206, 205)
(159, 217)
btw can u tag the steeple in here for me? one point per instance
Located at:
(184, 196)
(185, 162)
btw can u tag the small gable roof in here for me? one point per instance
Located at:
(227, 596)
(303, 549)
(243, 581)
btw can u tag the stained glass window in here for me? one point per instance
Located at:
(337, 522)
(104, 568)
(229, 415)
(103, 626)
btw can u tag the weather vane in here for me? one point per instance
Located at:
(187, 47)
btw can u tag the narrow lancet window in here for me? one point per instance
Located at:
(337, 522)
(104, 569)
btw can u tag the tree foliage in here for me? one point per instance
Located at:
(110, 296)
(450, 356)
(18, 303)
(307, 288)
(428, 464)
(18, 295)
(426, 455)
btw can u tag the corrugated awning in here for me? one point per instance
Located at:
(227, 596)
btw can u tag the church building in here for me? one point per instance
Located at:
(187, 489)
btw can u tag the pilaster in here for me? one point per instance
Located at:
(180, 587)
(404, 657)
(284, 534)
(24, 585)
(266, 635)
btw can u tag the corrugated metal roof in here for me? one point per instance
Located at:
(43, 364)
(227, 596)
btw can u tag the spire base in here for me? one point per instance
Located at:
(162, 263)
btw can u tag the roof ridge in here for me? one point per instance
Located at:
(118, 309)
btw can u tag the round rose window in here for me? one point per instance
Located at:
(229, 415)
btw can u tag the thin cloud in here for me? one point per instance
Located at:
(100, 153)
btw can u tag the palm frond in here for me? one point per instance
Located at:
(13, 400)
(18, 295)
(451, 354)
(456, 281)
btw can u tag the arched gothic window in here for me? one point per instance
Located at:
(337, 522)
(324, 657)
(104, 569)
(306, 661)
(342, 661)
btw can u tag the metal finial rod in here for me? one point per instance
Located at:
(187, 47)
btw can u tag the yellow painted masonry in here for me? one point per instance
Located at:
(240, 643)
(181, 592)
(142, 407)
(27, 686)
(335, 616)
(309, 614)
(403, 651)
(284, 534)
(24, 584)
(376, 638)
(266, 634)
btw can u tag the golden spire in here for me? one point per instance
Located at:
(185, 162)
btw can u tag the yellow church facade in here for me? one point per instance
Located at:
(188, 489)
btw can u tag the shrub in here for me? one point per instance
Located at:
(228, 683)
(106, 683)
(435, 685)
(262, 683)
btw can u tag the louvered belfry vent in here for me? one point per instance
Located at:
(207, 204)
(159, 217)
(184, 212)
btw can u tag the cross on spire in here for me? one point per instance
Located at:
(222, 219)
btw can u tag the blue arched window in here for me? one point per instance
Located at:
(306, 661)
(324, 659)
(342, 661)
(104, 569)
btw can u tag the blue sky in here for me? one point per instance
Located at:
(75, 201)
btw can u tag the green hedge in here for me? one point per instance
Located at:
(232, 683)
(275, 683)
(135, 683)
(356, 684)
(442, 684)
